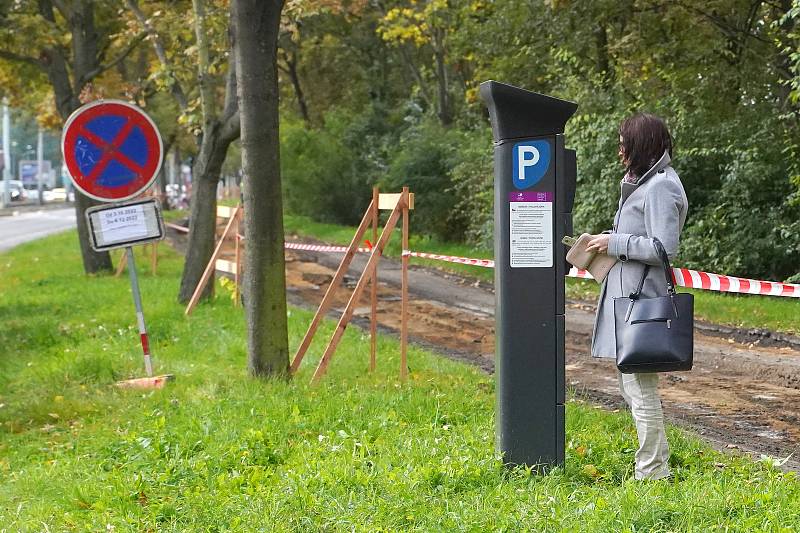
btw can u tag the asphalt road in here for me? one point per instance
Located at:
(27, 226)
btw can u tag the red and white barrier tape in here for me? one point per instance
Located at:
(488, 263)
(684, 277)
(718, 282)
(320, 248)
(177, 227)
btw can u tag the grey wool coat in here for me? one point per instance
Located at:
(654, 206)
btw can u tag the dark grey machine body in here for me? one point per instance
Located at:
(529, 312)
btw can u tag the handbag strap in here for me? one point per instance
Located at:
(662, 254)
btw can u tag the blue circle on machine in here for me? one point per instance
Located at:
(531, 160)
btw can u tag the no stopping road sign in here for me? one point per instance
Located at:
(112, 149)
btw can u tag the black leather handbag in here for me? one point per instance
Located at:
(655, 334)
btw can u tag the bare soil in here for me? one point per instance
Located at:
(741, 395)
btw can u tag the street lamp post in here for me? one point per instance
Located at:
(6, 155)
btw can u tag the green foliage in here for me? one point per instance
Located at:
(317, 169)
(750, 226)
(472, 178)
(422, 161)
(723, 73)
(217, 450)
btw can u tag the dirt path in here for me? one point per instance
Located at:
(738, 396)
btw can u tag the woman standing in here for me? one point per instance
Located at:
(652, 204)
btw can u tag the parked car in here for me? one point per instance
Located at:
(59, 194)
(16, 189)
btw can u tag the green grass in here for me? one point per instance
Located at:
(743, 311)
(220, 451)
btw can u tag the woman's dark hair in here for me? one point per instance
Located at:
(645, 138)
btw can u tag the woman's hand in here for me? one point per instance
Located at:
(598, 243)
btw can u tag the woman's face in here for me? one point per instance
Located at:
(621, 153)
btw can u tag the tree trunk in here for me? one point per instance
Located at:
(93, 262)
(291, 69)
(218, 134)
(203, 212)
(445, 111)
(84, 48)
(256, 29)
(161, 180)
(202, 229)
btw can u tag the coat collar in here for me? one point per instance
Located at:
(629, 188)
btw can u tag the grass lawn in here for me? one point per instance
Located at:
(738, 310)
(220, 451)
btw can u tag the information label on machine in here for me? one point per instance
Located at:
(531, 229)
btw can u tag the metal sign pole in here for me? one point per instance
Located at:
(137, 301)
(6, 156)
(39, 165)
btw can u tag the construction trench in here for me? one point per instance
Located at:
(743, 394)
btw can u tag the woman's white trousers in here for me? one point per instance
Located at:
(641, 393)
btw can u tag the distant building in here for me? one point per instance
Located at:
(28, 174)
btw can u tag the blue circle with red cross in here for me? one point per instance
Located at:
(112, 150)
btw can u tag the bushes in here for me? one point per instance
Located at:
(328, 172)
(749, 228)
(317, 169)
(472, 180)
(425, 155)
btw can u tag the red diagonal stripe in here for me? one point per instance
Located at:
(110, 150)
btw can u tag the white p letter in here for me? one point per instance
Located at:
(522, 162)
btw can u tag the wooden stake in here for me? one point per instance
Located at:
(404, 292)
(210, 267)
(377, 250)
(237, 268)
(335, 282)
(154, 257)
(123, 259)
(373, 318)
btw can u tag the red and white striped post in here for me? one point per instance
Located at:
(137, 301)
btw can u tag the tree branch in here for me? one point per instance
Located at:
(11, 56)
(231, 105)
(231, 129)
(89, 76)
(723, 25)
(160, 49)
(62, 8)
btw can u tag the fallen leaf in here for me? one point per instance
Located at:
(591, 471)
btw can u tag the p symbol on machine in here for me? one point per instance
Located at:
(531, 161)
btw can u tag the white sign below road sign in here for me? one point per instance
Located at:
(118, 226)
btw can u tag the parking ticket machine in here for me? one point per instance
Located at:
(534, 189)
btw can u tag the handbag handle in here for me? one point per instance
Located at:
(662, 254)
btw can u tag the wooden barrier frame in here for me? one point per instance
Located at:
(222, 211)
(399, 204)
